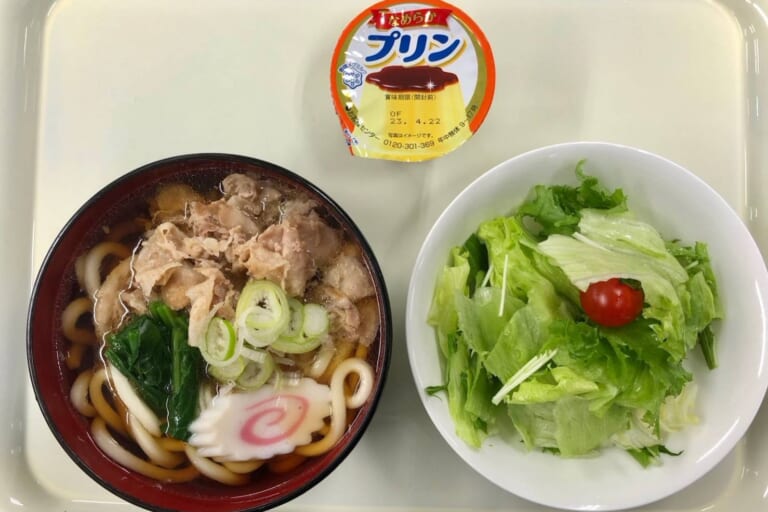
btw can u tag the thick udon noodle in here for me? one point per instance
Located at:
(129, 443)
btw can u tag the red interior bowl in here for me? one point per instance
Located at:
(51, 379)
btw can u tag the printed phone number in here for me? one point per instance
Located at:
(408, 145)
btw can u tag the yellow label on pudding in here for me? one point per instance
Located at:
(411, 81)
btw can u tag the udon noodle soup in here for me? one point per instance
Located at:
(222, 333)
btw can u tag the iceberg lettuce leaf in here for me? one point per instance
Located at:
(622, 232)
(580, 431)
(523, 337)
(443, 315)
(535, 423)
(554, 384)
(508, 246)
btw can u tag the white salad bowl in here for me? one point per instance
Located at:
(680, 206)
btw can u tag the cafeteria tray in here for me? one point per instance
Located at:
(91, 89)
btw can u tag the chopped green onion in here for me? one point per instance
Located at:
(220, 346)
(228, 373)
(257, 355)
(295, 321)
(262, 313)
(256, 374)
(314, 326)
(299, 345)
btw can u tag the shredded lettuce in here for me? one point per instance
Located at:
(516, 345)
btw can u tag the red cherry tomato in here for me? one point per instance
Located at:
(612, 303)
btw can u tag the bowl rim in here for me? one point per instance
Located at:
(449, 436)
(385, 351)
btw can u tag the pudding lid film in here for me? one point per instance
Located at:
(411, 81)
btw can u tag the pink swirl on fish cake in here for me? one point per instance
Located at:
(270, 413)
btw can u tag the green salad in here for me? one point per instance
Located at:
(571, 320)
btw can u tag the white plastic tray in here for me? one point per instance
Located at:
(93, 88)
